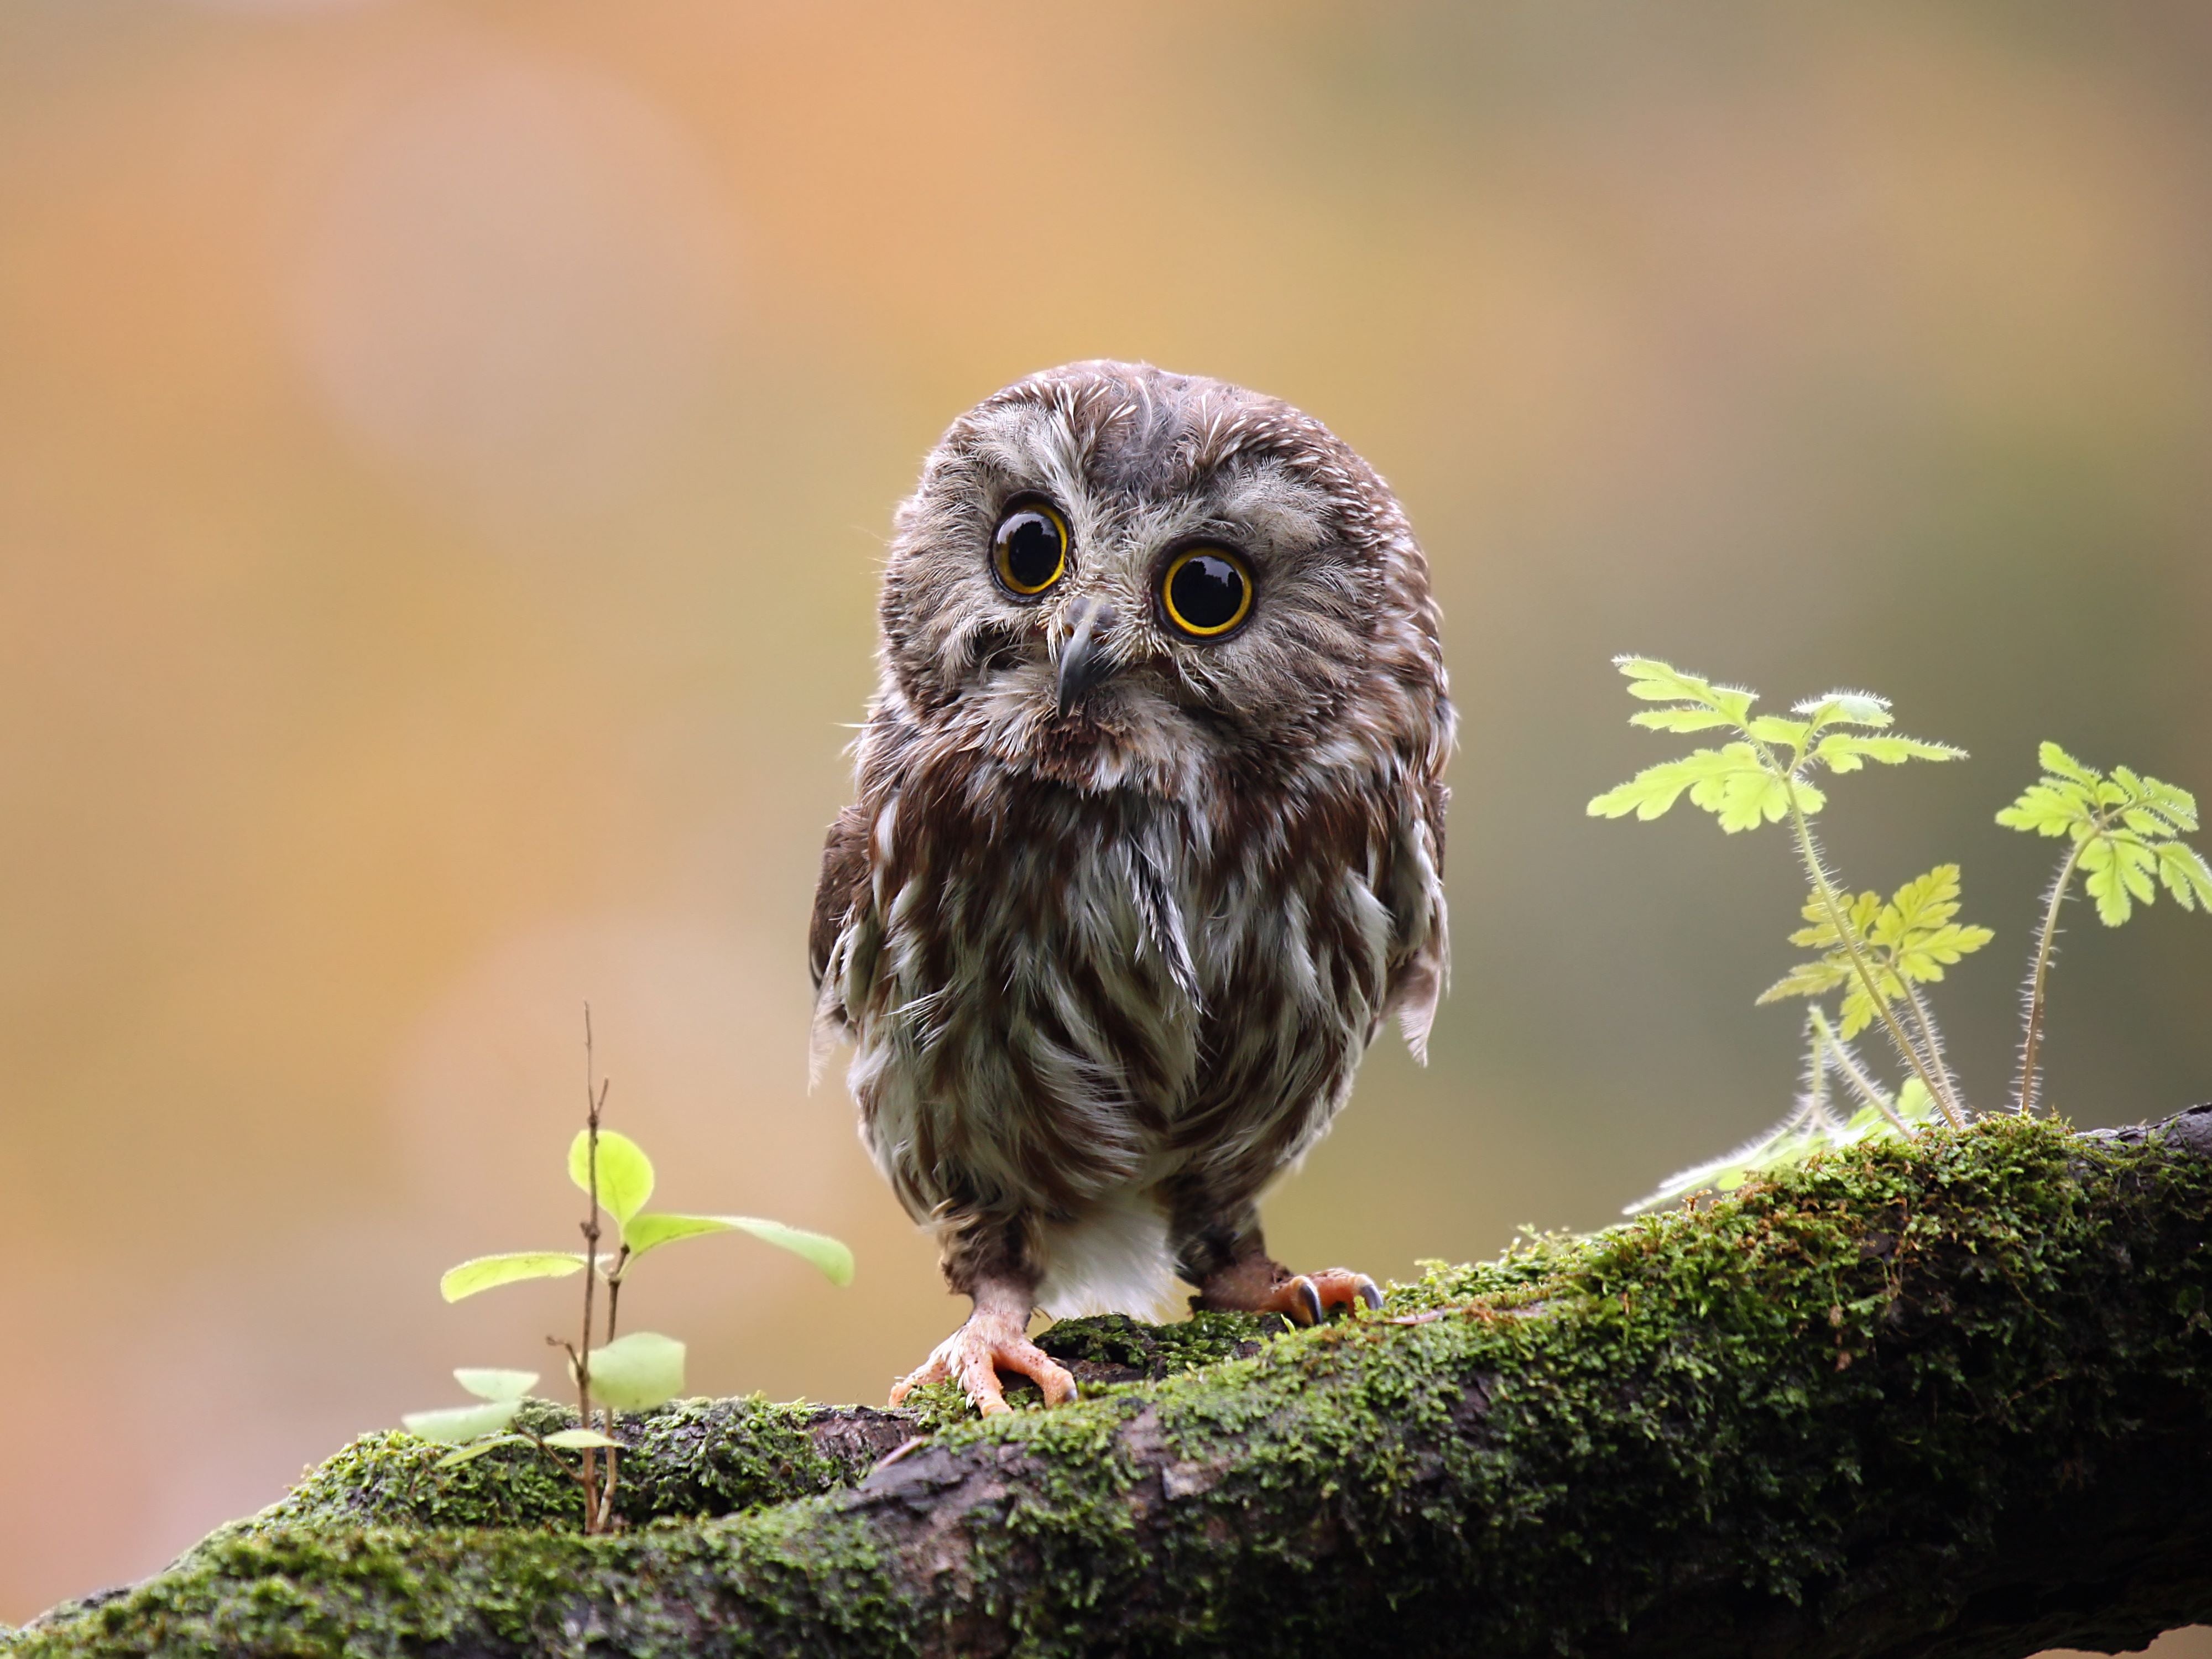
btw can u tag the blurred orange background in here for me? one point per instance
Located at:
(444, 456)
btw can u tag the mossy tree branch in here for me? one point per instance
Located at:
(1950, 1401)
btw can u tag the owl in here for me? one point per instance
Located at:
(1148, 840)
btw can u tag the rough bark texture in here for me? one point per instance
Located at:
(1953, 1399)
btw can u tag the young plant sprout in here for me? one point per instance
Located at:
(1766, 777)
(1879, 953)
(2123, 828)
(1906, 942)
(632, 1373)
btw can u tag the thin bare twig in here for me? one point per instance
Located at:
(595, 1099)
(614, 1288)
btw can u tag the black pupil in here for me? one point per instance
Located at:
(1032, 544)
(1206, 592)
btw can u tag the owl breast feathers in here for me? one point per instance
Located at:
(1149, 830)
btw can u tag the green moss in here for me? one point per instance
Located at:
(692, 1458)
(1864, 1352)
(1105, 1351)
(1115, 1343)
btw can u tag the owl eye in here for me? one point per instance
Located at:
(1205, 591)
(1029, 549)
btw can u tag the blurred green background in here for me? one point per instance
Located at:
(445, 456)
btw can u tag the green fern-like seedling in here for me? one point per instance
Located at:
(2125, 831)
(1764, 775)
(1910, 939)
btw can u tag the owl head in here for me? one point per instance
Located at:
(1113, 576)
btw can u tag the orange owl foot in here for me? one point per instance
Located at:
(991, 1342)
(1302, 1298)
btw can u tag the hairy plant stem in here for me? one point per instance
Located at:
(1816, 1077)
(2037, 972)
(1933, 1039)
(1931, 1075)
(1840, 1055)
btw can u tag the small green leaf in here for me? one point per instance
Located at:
(652, 1230)
(2137, 866)
(1679, 719)
(2186, 876)
(1914, 1103)
(1922, 903)
(2056, 760)
(637, 1372)
(2175, 803)
(625, 1172)
(2053, 807)
(1860, 911)
(1844, 751)
(486, 1273)
(2104, 882)
(2122, 824)
(1734, 783)
(575, 1439)
(1859, 1010)
(1786, 734)
(471, 1453)
(455, 1423)
(495, 1385)
(1924, 956)
(649, 1232)
(828, 1255)
(1657, 682)
(1846, 708)
(1654, 791)
(1911, 938)
(1807, 979)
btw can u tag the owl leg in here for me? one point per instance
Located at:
(990, 1262)
(1226, 1257)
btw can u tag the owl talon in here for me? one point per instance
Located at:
(1302, 1298)
(1340, 1287)
(987, 1343)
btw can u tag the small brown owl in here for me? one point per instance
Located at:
(1149, 840)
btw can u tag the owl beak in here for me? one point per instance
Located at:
(1084, 659)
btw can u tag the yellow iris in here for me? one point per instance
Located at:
(1205, 591)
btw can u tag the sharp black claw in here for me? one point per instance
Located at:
(1369, 1294)
(1308, 1300)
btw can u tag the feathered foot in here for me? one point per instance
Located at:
(994, 1339)
(1256, 1285)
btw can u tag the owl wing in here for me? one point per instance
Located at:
(842, 901)
(1420, 956)
(844, 878)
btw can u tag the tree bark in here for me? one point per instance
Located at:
(1947, 1401)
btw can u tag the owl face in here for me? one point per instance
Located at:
(1111, 575)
